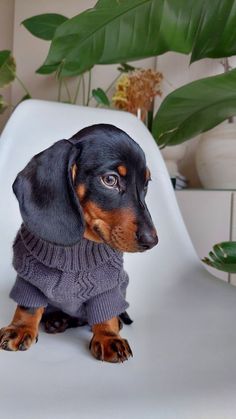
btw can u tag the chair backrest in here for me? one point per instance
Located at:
(36, 124)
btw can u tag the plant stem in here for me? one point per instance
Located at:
(89, 86)
(112, 83)
(169, 83)
(23, 85)
(19, 81)
(59, 90)
(67, 90)
(77, 90)
(107, 90)
(83, 85)
(227, 67)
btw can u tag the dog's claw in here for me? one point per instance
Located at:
(4, 345)
(128, 348)
(22, 347)
(110, 349)
(16, 338)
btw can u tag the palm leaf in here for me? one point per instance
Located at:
(223, 257)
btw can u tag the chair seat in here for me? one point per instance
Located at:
(183, 336)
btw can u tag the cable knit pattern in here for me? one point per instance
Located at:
(85, 280)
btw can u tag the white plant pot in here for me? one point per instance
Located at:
(216, 157)
(172, 156)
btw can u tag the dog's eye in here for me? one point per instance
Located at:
(111, 181)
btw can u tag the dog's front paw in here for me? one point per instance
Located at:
(110, 348)
(17, 338)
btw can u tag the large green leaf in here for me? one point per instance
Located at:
(100, 96)
(44, 26)
(223, 257)
(7, 68)
(195, 108)
(125, 30)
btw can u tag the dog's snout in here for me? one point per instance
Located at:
(147, 240)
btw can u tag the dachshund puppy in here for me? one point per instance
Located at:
(82, 203)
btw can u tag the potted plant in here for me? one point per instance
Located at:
(216, 153)
(216, 157)
(119, 31)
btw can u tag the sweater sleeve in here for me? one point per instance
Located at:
(27, 295)
(108, 304)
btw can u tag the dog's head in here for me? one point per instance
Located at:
(92, 185)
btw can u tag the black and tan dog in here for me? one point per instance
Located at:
(92, 186)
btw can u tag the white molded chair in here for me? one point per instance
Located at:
(183, 336)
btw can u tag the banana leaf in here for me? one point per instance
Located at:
(124, 30)
(44, 26)
(195, 108)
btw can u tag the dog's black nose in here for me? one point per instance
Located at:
(147, 240)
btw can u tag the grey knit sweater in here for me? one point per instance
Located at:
(86, 280)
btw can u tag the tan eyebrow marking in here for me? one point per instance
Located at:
(122, 170)
(81, 190)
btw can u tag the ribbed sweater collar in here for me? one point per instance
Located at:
(81, 256)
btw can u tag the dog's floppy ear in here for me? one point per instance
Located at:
(49, 206)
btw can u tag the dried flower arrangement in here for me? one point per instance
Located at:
(136, 90)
